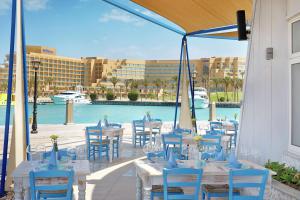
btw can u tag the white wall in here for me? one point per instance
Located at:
(264, 130)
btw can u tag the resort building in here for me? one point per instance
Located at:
(64, 72)
(58, 71)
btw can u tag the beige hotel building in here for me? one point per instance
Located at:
(66, 73)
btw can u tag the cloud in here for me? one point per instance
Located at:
(34, 5)
(122, 16)
(31, 5)
(4, 6)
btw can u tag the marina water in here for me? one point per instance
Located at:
(55, 114)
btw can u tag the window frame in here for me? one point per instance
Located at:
(294, 58)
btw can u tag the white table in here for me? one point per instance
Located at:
(216, 172)
(21, 177)
(111, 133)
(151, 125)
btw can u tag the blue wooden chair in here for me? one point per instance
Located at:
(193, 184)
(116, 139)
(140, 135)
(216, 128)
(173, 141)
(156, 130)
(96, 143)
(62, 154)
(39, 190)
(182, 131)
(235, 130)
(243, 175)
(211, 145)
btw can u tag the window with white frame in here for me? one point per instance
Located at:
(294, 60)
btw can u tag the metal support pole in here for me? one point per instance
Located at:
(34, 122)
(191, 86)
(178, 83)
(8, 102)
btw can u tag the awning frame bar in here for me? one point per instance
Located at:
(146, 17)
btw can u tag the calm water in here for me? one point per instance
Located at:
(55, 114)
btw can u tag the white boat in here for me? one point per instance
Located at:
(200, 98)
(76, 96)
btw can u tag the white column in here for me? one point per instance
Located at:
(17, 152)
(185, 119)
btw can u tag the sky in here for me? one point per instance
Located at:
(79, 28)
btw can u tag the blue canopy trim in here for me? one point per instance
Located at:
(178, 83)
(8, 100)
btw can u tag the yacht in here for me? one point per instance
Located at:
(200, 98)
(77, 96)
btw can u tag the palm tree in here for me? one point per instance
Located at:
(146, 84)
(103, 89)
(226, 82)
(3, 86)
(127, 83)
(157, 84)
(216, 83)
(114, 81)
(134, 84)
(240, 84)
(174, 83)
(164, 85)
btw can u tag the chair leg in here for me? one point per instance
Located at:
(107, 153)
(140, 141)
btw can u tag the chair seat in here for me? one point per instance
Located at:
(42, 192)
(104, 142)
(160, 188)
(218, 189)
(143, 133)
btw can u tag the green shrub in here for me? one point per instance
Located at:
(110, 95)
(151, 96)
(222, 99)
(133, 95)
(285, 174)
(93, 96)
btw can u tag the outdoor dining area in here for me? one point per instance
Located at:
(187, 160)
(177, 164)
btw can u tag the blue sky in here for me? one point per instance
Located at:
(94, 28)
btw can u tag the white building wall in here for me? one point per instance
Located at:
(264, 130)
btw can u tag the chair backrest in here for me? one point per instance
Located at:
(216, 125)
(174, 141)
(243, 176)
(211, 142)
(138, 126)
(93, 134)
(99, 124)
(62, 153)
(182, 131)
(51, 174)
(115, 125)
(235, 124)
(184, 174)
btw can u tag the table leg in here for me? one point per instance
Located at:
(111, 148)
(147, 194)
(150, 140)
(81, 187)
(139, 185)
(26, 186)
(18, 188)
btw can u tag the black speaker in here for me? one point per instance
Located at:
(241, 23)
